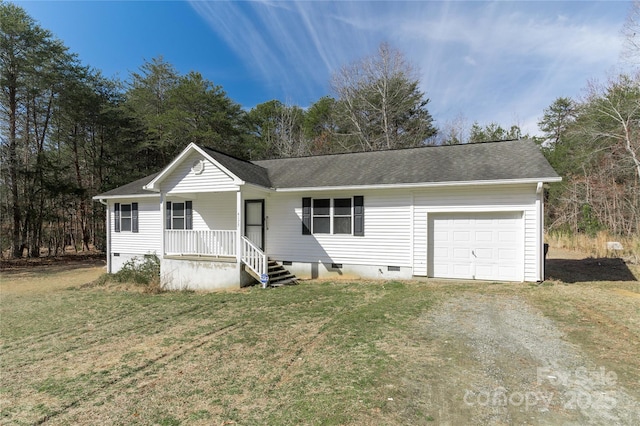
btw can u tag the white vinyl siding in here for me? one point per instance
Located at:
(396, 223)
(184, 180)
(386, 240)
(495, 198)
(214, 211)
(148, 238)
(531, 246)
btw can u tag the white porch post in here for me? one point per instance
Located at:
(162, 224)
(239, 228)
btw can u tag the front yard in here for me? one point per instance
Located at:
(316, 353)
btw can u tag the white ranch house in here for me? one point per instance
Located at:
(470, 211)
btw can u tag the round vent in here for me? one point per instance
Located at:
(198, 167)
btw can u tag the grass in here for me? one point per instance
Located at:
(316, 353)
(596, 246)
(304, 354)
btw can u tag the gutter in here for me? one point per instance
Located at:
(115, 197)
(424, 184)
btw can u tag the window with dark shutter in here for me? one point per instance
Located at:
(322, 216)
(188, 215)
(125, 217)
(306, 216)
(116, 217)
(167, 216)
(358, 216)
(178, 215)
(134, 217)
(342, 216)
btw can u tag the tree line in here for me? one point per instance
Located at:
(594, 144)
(68, 133)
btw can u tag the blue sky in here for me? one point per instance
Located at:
(485, 61)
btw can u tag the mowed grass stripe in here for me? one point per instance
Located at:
(284, 332)
(85, 341)
(126, 379)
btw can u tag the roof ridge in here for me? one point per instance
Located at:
(217, 151)
(391, 150)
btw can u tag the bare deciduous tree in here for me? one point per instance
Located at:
(381, 103)
(599, 158)
(631, 34)
(454, 131)
(615, 115)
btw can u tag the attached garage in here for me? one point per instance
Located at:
(483, 246)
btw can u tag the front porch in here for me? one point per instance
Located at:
(211, 259)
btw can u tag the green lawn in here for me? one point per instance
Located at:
(312, 353)
(315, 353)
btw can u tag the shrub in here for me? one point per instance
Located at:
(145, 271)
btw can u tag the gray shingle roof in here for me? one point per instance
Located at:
(245, 170)
(434, 164)
(487, 161)
(133, 188)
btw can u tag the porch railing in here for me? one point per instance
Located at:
(254, 258)
(201, 243)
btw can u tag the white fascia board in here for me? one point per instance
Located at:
(152, 186)
(422, 185)
(258, 187)
(199, 191)
(116, 197)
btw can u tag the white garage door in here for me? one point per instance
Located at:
(483, 246)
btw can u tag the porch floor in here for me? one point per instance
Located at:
(203, 258)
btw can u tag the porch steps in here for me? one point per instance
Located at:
(279, 276)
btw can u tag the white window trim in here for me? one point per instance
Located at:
(183, 217)
(332, 215)
(130, 217)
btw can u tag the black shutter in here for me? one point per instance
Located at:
(167, 215)
(134, 217)
(306, 216)
(116, 217)
(358, 215)
(188, 215)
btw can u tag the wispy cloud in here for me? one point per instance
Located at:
(500, 61)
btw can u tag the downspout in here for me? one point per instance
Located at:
(540, 220)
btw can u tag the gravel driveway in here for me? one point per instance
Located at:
(497, 360)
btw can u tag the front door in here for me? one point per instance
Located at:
(254, 222)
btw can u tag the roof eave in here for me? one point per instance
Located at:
(256, 186)
(113, 197)
(424, 184)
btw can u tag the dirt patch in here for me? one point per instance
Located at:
(39, 280)
(627, 293)
(51, 264)
(493, 359)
